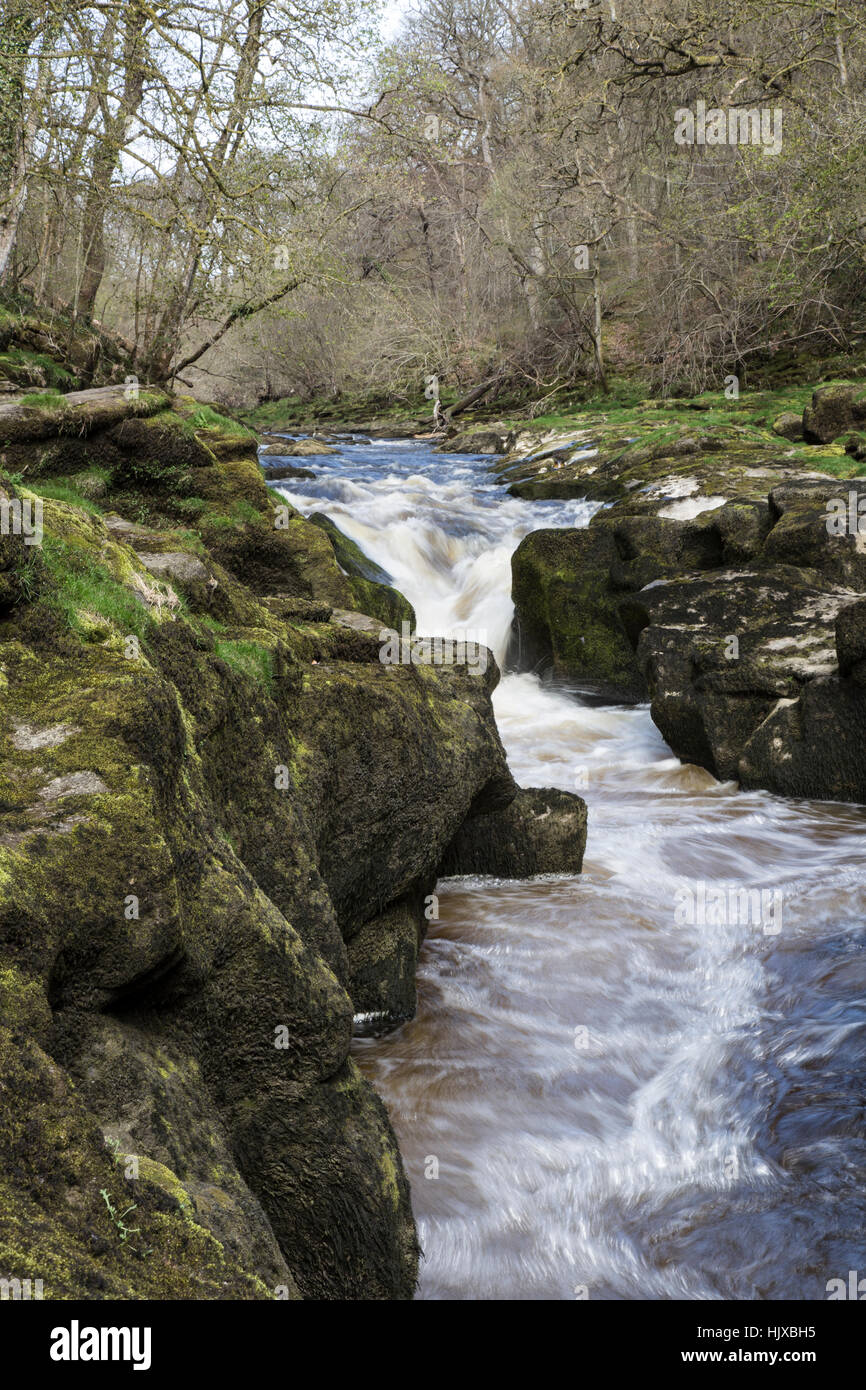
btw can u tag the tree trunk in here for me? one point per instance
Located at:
(16, 36)
(472, 396)
(599, 355)
(159, 354)
(105, 158)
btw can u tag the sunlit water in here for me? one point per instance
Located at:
(599, 1099)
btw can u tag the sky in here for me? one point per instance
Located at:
(392, 13)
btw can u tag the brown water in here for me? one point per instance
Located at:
(605, 1093)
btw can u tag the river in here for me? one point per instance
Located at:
(607, 1094)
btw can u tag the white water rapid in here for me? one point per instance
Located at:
(596, 1098)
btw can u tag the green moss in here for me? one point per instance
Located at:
(390, 1183)
(244, 511)
(174, 799)
(67, 1217)
(191, 506)
(19, 365)
(167, 1181)
(23, 1005)
(382, 601)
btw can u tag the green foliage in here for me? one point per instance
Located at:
(18, 364)
(118, 1217)
(205, 417)
(79, 586)
(249, 659)
(42, 400)
(62, 490)
(240, 511)
(191, 506)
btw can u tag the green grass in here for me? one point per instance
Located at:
(742, 423)
(42, 400)
(79, 584)
(245, 511)
(191, 539)
(205, 417)
(248, 659)
(629, 403)
(838, 465)
(191, 506)
(240, 513)
(60, 490)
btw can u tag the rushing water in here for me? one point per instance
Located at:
(598, 1098)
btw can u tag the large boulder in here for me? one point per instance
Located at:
(833, 411)
(851, 641)
(475, 442)
(566, 612)
(719, 653)
(221, 819)
(789, 425)
(569, 585)
(542, 831)
(275, 473)
(736, 623)
(812, 746)
(812, 529)
(383, 956)
(221, 816)
(298, 448)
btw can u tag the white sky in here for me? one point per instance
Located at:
(392, 13)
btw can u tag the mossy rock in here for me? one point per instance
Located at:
(788, 425)
(369, 583)
(13, 551)
(68, 1218)
(155, 448)
(542, 831)
(833, 410)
